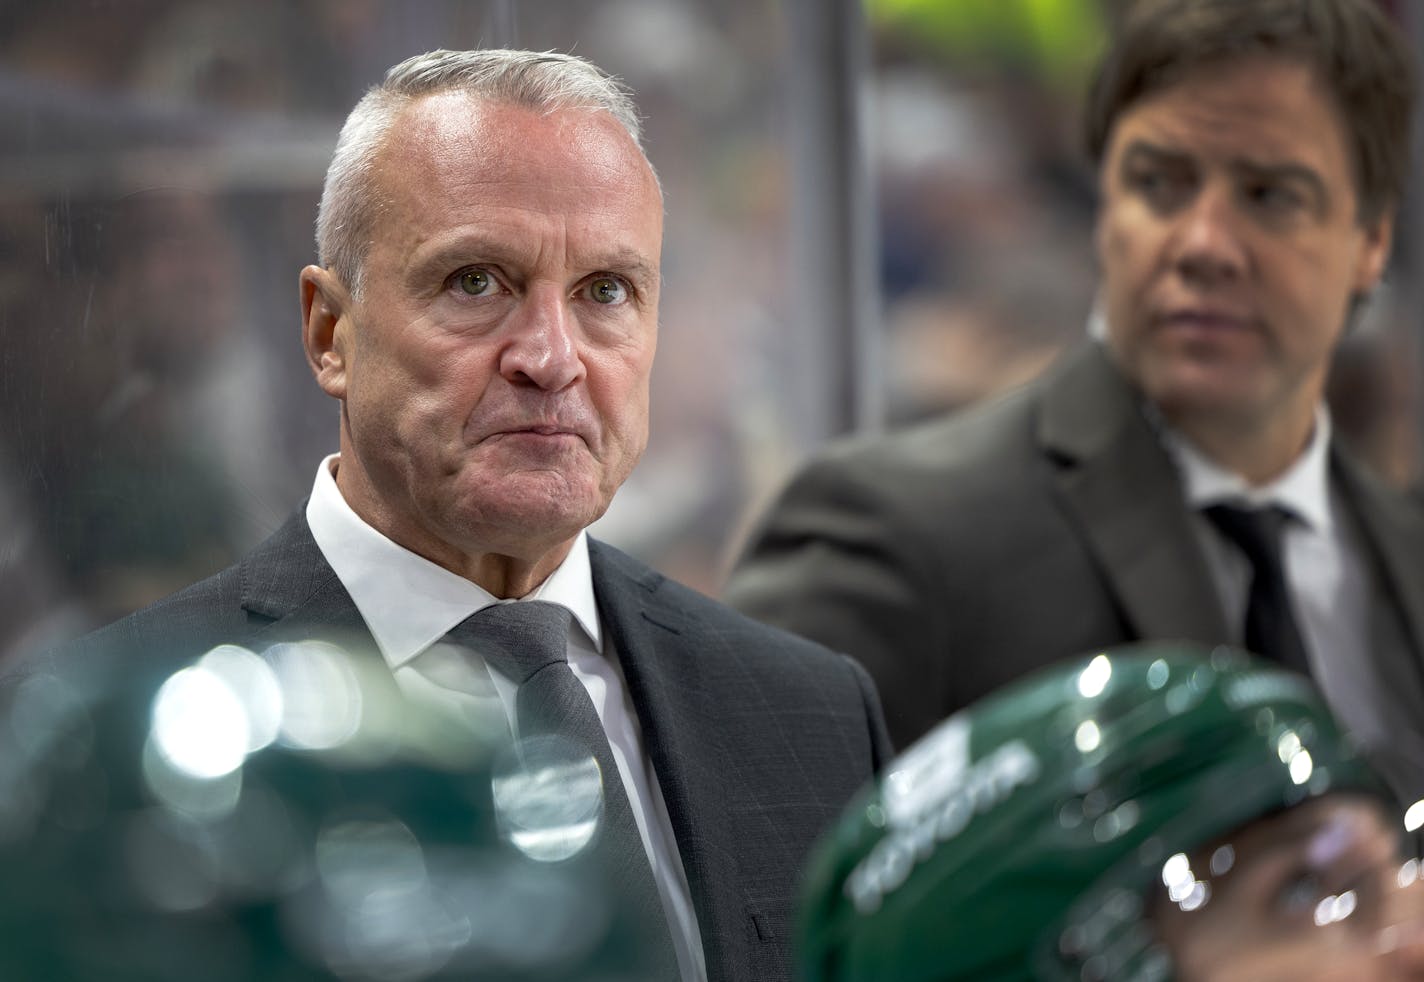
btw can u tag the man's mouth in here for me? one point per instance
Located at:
(543, 431)
(547, 435)
(1205, 319)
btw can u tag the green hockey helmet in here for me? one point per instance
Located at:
(1019, 839)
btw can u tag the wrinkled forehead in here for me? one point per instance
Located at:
(458, 133)
(456, 166)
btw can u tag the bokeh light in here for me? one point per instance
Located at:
(548, 797)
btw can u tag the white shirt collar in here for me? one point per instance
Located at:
(1304, 488)
(407, 601)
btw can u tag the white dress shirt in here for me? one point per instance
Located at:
(409, 603)
(1324, 567)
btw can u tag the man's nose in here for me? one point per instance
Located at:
(543, 344)
(1208, 245)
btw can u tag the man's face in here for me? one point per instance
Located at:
(494, 371)
(1314, 893)
(1230, 243)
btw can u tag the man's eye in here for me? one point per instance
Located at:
(476, 282)
(1299, 894)
(1144, 180)
(1273, 197)
(607, 289)
(1327, 898)
(1162, 188)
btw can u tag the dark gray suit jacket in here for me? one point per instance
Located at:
(963, 553)
(758, 738)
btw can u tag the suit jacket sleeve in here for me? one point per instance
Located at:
(837, 560)
(882, 750)
(957, 555)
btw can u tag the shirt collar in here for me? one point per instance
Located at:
(407, 601)
(1304, 488)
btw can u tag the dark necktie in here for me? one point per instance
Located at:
(527, 642)
(1270, 626)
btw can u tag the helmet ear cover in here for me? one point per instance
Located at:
(1019, 839)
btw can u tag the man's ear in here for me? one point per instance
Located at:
(1374, 254)
(326, 328)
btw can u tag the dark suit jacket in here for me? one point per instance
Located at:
(963, 553)
(758, 738)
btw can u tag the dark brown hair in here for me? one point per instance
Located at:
(1359, 55)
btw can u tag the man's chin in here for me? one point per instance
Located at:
(521, 513)
(1192, 386)
(1185, 405)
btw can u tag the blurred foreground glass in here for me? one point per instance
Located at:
(290, 814)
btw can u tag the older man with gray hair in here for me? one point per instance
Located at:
(485, 311)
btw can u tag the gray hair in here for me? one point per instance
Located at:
(545, 81)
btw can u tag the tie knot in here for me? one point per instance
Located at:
(517, 639)
(1255, 530)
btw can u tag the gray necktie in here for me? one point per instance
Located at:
(527, 642)
(1270, 626)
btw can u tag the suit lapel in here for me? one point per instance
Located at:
(1123, 493)
(657, 649)
(1394, 534)
(288, 588)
